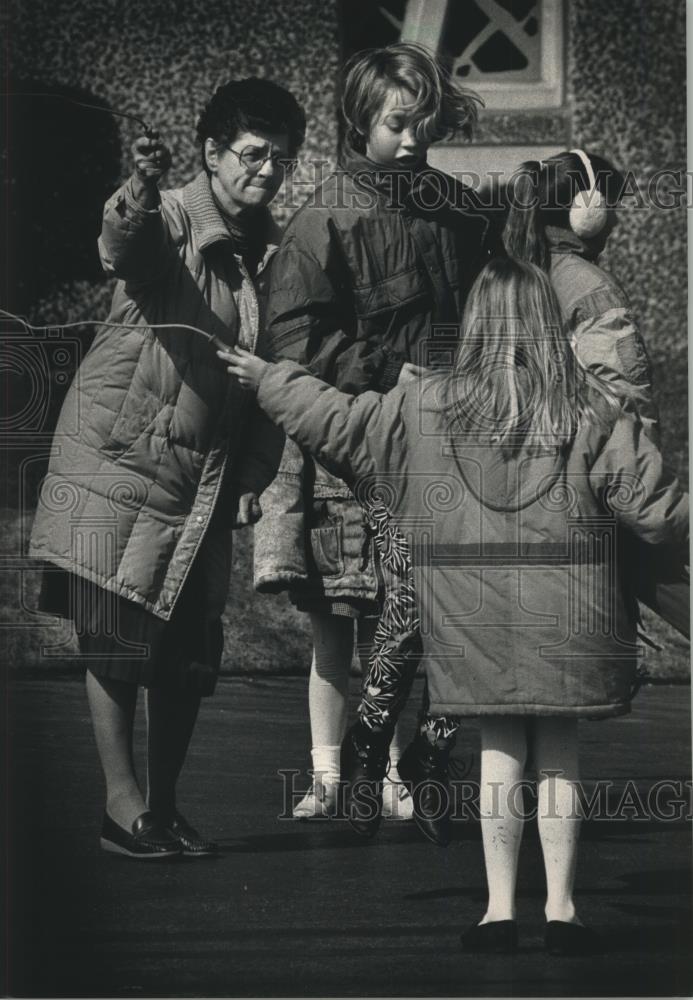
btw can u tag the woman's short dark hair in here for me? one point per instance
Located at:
(251, 105)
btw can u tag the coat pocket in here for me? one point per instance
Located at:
(327, 551)
(326, 540)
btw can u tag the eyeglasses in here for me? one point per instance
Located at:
(253, 159)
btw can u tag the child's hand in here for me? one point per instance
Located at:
(248, 510)
(247, 367)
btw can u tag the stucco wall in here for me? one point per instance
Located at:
(160, 59)
(626, 76)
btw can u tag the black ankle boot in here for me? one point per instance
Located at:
(363, 766)
(423, 767)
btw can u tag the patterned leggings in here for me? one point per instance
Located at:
(397, 646)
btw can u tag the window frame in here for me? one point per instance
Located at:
(425, 22)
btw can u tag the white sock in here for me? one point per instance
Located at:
(326, 763)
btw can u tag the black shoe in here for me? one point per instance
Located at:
(497, 937)
(364, 761)
(562, 938)
(423, 767)
(149, 839)
(193, 844)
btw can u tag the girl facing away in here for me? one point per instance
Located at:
(520, 466)
(560, 215)
(385, 248)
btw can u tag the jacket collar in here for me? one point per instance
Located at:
(565, 241)
(389, 182)
(415, 188)
(207, 223)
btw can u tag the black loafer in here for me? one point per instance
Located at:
(364, 761)
(562, 938)
(148, 841)
(498, 937)
(193, 844)
(423, 767)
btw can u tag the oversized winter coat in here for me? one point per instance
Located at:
(516, 569)
(152, 427)
(370, 272)
(599, 320)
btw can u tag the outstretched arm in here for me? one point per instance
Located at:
(352, 436)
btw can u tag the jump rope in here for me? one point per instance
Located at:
(150, 132)
(212, 339)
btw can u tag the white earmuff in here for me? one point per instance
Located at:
(588, 212)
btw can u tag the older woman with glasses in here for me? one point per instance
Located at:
(157, 453)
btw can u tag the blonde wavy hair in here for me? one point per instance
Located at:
(439, 107)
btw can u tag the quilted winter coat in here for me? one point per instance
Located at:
(152, 427)
(599, 320)
(366, 270)
(515, 561)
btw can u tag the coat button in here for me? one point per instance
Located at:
(199, 519)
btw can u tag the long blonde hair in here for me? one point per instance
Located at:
(516, 378)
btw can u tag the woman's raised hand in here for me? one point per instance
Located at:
(247, 367)
(151, 157)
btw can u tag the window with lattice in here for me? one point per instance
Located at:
(494, 39)
(510, 51)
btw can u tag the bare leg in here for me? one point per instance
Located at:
(171, 717)
(503, 752)
(112, 705)
(556, 750)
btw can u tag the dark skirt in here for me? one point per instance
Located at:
(120, 640)
(343, 607)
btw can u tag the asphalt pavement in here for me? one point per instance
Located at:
(304, 909)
